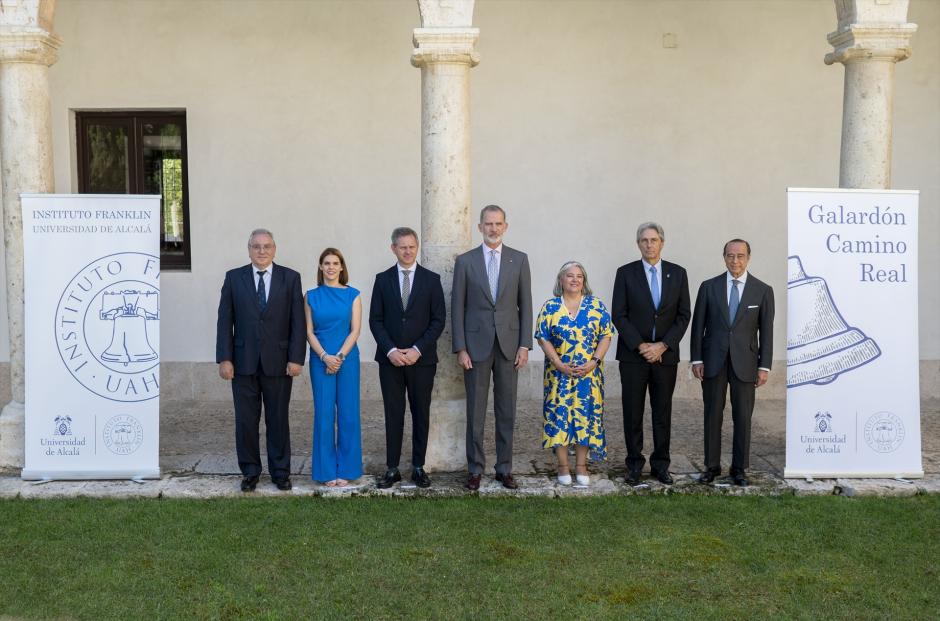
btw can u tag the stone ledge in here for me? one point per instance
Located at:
(451, 485)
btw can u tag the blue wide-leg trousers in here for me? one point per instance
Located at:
(337, 436)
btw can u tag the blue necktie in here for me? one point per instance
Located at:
(654, 286)
(654, 289)
(262, 292)
(734, 301)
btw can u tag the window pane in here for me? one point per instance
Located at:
(107, 159)
(163, 175)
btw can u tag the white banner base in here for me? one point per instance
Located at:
(812, 474)
(89, 475)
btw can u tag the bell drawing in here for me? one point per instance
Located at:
(129, 312)
(820, 343)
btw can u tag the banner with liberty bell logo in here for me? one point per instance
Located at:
(92, 302)
(853, 397)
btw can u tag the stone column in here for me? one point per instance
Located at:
(871, 37)
(27, 49)
(444, 51)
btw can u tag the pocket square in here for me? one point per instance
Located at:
(753, 306)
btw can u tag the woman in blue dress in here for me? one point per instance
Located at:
(334, 316)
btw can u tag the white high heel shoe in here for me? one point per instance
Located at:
(564, 479)
(583, 480)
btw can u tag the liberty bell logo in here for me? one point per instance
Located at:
(130, 311)
(820, 343)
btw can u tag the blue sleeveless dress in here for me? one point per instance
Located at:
(337, 437)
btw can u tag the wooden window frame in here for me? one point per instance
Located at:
(133, 121)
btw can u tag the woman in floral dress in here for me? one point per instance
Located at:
(574, 330)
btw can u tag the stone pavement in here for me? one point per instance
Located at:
(198, 459)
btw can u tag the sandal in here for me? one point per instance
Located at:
(582, 479)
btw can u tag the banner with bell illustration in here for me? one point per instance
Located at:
(853, 397)
(92, 302)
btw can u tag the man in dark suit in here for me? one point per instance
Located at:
(732, 343)
(491, 310)
(406, 317)
(260, 346)
(651, 312)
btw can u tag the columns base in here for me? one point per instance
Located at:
(447, 436)
(12, 435)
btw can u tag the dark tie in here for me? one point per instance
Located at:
(262, 292)
(735, 300)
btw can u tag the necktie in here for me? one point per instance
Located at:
(262, 291)
(492, 273)
(654, 286)
(405, 288)
(735, 300)
(654, 289)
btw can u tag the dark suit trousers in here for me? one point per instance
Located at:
(635, 380)
(714, 391)
(477, 383)
(417, 382)
(250, 392)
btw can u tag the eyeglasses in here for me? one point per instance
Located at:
(259, 247)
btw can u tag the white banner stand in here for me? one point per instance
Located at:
(92, 301)
(853, 397)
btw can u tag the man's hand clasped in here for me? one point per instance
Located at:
(652, 352)
(404, 357)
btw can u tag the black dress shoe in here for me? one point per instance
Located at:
(633, 477)
(249, 483)
(473, 482)
(664, 477)
(420, 477)
(391, 476)
(507, 480)
(283, 484)
(739, 479)
(707, 477)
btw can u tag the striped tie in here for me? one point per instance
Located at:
(492, 273)
(405, 288)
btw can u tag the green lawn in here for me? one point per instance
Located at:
(619, 557)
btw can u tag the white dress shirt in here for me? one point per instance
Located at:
(486, 255)
(267, 279)
(742, 280)
(649, 277)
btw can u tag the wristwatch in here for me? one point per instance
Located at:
(596, 359)
(341, 356)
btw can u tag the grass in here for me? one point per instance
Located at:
(679, 557)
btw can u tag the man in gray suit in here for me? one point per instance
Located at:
(732, 344)
(491, 307)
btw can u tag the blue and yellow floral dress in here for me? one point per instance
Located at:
(574, 406)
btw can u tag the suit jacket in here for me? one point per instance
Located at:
(634, 315)
(749, 339)
(251, 338)
(478, 319)
(419, 325)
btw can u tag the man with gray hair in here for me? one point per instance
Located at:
(406, 316)
(491, 311)
(260, 345)
(651, 311)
